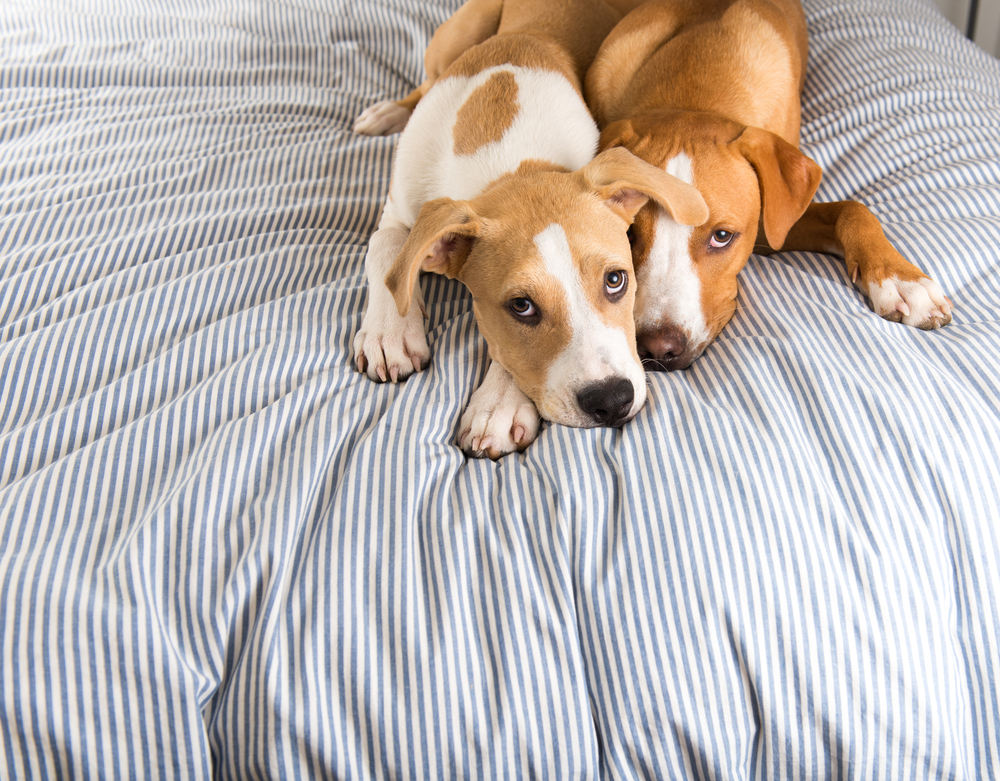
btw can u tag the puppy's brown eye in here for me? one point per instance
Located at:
(721, 238)
(523, 308)
(615, 283)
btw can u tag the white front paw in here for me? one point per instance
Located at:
(390, 347)
(499, 419)
(920, 303)
(382, 119)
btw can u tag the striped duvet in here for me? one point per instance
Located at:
(224, 553)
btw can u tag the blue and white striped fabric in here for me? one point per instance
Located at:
(225, 553)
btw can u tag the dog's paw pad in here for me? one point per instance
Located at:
(390, 353)
(382, 119)
(497, 424)
(920, 303)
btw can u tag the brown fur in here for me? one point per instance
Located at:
(720, 80)
(486, 115)
(559, 35)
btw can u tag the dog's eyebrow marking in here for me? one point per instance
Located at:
(487, 113)
(553, 246)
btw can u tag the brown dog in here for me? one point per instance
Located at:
(710, 91)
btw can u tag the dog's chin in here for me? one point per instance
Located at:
(585, 421)
(568, 414)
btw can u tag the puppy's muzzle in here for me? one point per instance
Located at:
(608, 402)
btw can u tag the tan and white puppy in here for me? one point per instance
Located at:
(495, 183)
(709, 90)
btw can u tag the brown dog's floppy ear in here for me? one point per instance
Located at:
(626, 182)
(788, 181)
(439, 241)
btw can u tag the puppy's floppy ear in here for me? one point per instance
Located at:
(788, 180)
(626, 183)
(440, 241)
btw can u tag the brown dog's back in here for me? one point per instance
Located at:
(744, 59)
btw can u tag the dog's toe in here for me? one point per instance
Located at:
(387, 355)
(495, 424)
(920, 303)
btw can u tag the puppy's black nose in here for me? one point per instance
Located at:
(662, 349)
(608, 401)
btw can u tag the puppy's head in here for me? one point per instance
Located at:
(546, 257)
(756, 186)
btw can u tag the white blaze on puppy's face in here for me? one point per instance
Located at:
(597, 352)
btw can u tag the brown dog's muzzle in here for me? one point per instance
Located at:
(663, 348)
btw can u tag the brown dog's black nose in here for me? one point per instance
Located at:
(608, 401)
(662, 348)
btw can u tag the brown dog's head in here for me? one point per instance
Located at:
(546, 257)
(751, 180)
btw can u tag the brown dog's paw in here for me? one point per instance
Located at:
(920, 303)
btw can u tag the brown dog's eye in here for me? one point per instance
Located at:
(523, 309)
(615, 283)
(721, 238)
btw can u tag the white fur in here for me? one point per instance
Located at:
(390, 346)
(680, 166)
(499, 418)
(552, 124)
(919, 302)
(595, 351)
(669, 287)
(382, 119)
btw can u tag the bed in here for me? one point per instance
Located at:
(225, 553)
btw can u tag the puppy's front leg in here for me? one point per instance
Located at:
(389, 347)
(499, 419)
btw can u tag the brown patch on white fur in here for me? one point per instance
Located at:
(563, 37)
(486, 114)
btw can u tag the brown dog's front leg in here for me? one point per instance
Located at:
(897, 289)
